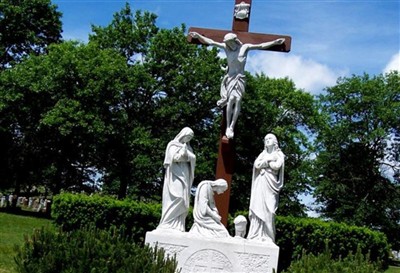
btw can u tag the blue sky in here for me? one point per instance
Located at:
(330, 39)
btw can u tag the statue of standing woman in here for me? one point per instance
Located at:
(267, 181)
(179, 164)
(233, 83)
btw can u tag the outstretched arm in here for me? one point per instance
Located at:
(266, 44)
(206, 40)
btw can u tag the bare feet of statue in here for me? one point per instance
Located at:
(229, 133)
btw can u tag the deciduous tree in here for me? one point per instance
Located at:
(27, 26)
(176, 87)
(362, 118)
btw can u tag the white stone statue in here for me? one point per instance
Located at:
(267, 181)
(179, 164)
(233, 83)
(240, 226)
(242, 10)
(207, 221)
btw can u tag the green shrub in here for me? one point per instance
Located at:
(73, 211)
(294, 235)
(88, 250)
(324, 263)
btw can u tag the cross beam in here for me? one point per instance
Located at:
(244, 37)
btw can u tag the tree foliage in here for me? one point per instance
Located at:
(51, 107)
(176, 90)
(130, 34)
(107, 109)
(356, 147)
(27, 26)
(86, 110)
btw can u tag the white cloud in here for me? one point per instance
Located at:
(77, 34)
(394, 63)
(307, 74)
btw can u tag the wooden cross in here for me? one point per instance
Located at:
(240, 27)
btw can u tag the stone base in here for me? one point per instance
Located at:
(198, 254)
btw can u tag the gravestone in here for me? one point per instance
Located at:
(25, 202)
(41, 205)
(36, 203)
(10, 199)
(48, 206)
(19, 201)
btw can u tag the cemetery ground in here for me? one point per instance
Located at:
(12, 231)
(14, 227)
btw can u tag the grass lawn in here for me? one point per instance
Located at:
(12, 231)
(393, 269)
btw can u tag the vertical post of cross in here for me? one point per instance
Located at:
(226, 152)
(225, 166)
(241, 15)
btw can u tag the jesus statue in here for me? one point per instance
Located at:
(233, 83)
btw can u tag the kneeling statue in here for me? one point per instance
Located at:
(207, 221)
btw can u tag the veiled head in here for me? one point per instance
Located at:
(219, 185)
(185, 135)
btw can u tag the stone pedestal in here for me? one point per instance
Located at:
(198, 254)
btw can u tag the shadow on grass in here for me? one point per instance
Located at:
(22, 212)
(395, 263)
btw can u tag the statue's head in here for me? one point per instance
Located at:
(219, 185)
(240, 226)
(270, 140)
(185, 135)
(230, 37)
(232, 40)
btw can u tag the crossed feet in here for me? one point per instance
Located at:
(229, 132)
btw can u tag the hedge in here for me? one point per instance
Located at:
(297, 234)
(294, 235)
(73, 211)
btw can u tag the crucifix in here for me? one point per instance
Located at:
(236, 43)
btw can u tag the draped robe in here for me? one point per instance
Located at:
(231, 86)
(267, 181)
(178, 179)
(204, 224)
